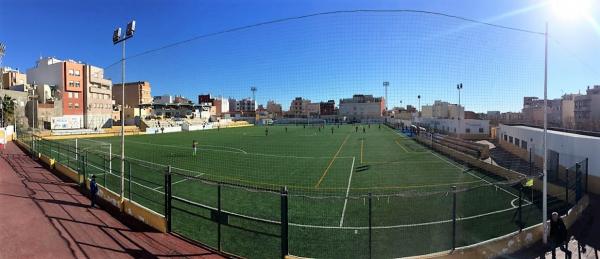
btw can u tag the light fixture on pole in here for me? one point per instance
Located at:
(117, 38)
(385, 86)
(419, 111)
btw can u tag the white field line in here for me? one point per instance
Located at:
(339, 227)
(347, 192)
(237, 152)
(180, 181)
(406, 225)
(478, 177)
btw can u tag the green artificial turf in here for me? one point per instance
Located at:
(329, 177)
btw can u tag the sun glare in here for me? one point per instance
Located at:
(571, 9)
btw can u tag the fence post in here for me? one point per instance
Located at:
(76, 149)
(129, 178)
(370, 225)
(453, 217)
(586, 174)
(167, 188)
(521, 208)
(284, 222)
(567, 187)
(104, 167)
(219, 216)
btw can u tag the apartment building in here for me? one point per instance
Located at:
(327, 108)
(443, 110)
(568, 111)
(13, 80)
(299, 107)
(136, 94)
(221, 106)
(533, 111)
(97, 98)
(362, 107)
(587, 109)
(66, 77)
(274, 109)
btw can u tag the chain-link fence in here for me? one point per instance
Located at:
(258, 222)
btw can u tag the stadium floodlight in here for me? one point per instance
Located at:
(130, 29)
(117, 35)
(118, 39)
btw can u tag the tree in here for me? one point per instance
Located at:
(8, 110)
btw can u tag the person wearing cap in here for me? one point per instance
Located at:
(93, 191)
(558, 236)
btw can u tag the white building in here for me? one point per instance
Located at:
(163, 99)
(443, 110)
(572, 147)
(362, 107)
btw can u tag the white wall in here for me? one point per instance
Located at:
(571, 147)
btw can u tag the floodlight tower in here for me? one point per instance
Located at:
(253, 89)
(385, 86)
(459, 87)
(117, 38)
(419, 111)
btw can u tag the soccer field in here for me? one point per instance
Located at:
(329, 173)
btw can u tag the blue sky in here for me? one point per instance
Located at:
(324, 57)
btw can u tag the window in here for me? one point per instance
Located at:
(505, 137)
(76, 105)
(71, 83)
(70, 106)
(517, 142)
(71, 72)
(70, 95)
(77, 72)
(76, 95)
(524, 144)
(510, 139)
(77, 84)
(480, 130)
(468, 130)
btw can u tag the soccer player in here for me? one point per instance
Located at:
(195, 146)
(285, 129)
(356, 129)
(364, 129)
(267, 131)
(331, 130)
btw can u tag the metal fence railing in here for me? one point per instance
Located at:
(258, 222)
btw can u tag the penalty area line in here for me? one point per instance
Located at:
(347, 192)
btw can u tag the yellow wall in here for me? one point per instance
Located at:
(145, 215)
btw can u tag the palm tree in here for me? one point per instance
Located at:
(8, 110)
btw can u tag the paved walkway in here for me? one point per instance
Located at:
(43, 217)
(585, 237)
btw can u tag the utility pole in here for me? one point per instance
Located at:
(545, 167)
(459, 87)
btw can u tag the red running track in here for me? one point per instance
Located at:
(42, 216)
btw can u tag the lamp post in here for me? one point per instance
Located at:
(459, 87)
(118, 39)
(385, 86)
(419, 111)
